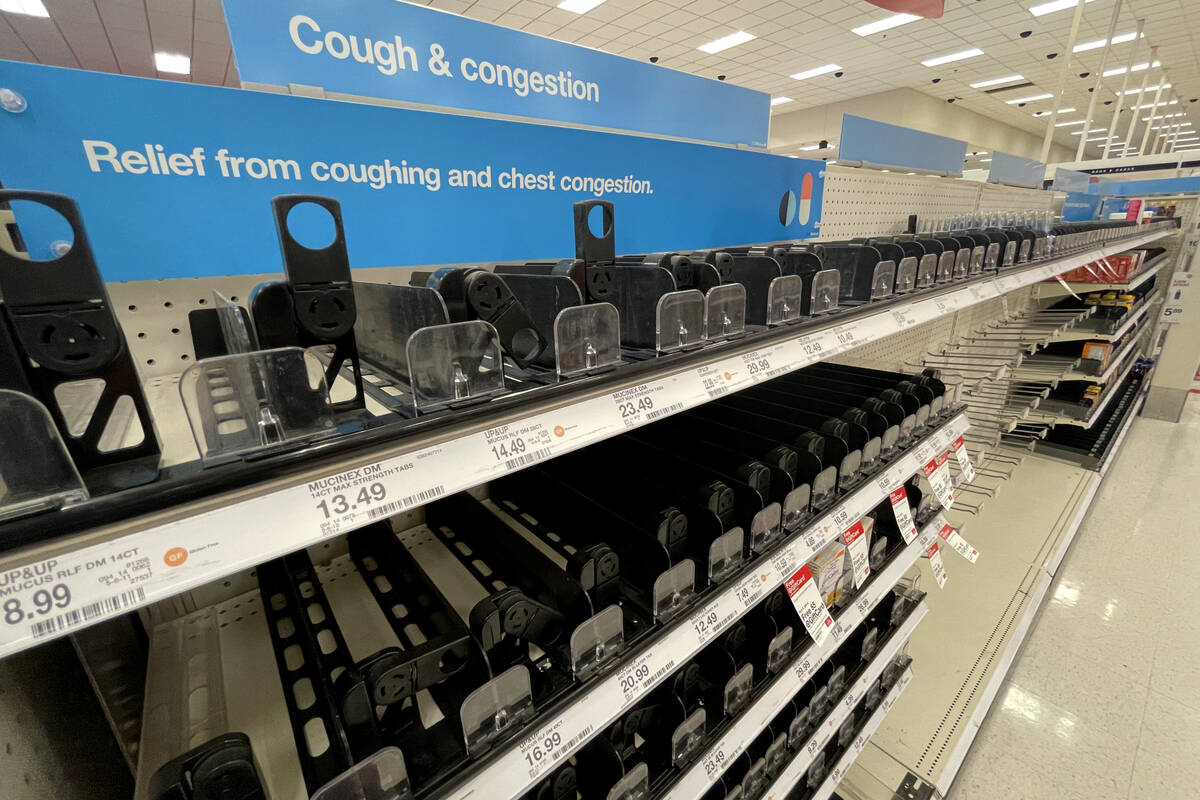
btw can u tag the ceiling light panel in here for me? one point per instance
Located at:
(30, 8)
(815, 71)
(1120, 38)
(579, 6)
(174, 63)
(1056, 5)
(998, 81)
(1108, 73)
(947, 59)
(1152, 105)
(1028, 99)
(885, 24)
(1149, 89)
(726, 42)
(778, 101)
(1068, 124)
(1048, 113)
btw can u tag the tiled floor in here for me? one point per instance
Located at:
(1104, 702)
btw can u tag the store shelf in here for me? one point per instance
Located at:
(1148, 270)
(506, 773)
(116, 558)
(1132, 318)
(704, 771)
(1113, 363)
(795, 770)
(1039, 416)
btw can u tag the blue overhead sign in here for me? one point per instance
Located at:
(175, 179)
(881, 144)
(1068, 180)
(400, 51)
(1081, 207)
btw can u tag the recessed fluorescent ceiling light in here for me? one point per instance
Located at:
(1057, 5)
(1108, 73)
(811, 147)
(937, 62)
(778, 101)
(1165, 116)
(984, 160)
(815, 71)
(726, 42)
(1068, 124)
(1089, 133)
(1120, 38)
(1048, 113)
(31, 8)
(1152, 105)
(173, 62)
(887, 23)
(579, 6)
(997, 81)
(834, 161)
(1148, 89)
(1029, 99)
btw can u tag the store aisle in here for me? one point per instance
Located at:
(1104, 702)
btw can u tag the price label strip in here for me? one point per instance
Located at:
(954, 539)
(903, 513)
(856, 550)
(935, 564)
(802, 589)
(937, 472)
(964, 459)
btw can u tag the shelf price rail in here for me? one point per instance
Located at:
(127, 564)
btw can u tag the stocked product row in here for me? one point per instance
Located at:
(318, 362)
(542, 593)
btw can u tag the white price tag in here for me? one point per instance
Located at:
(712, 619)
(955, 540)
(758, 364)
(937, 471)
(807, 599)
(904, 319)
(845, 339)
(517, 445)
(644, 403)
(812, 348)
(903, 513)
(543, 750)
(935, 563)
(964, 459)
(715, 380)
(856, 549)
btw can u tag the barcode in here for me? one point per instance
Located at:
(661, 671)
(718, 392)
(662, 412)
(411, 500)
(575, 741)
(109, 605)
(527, 458)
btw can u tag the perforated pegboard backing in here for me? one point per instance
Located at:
(859, 202)
(905, 349)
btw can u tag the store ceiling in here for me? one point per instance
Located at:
(123, 35)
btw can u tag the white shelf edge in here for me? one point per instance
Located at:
(1134, 319)
(781, 788)
(508, 774)
(697, 779)
(1097, 409)
(158, 555)
(1103, 377)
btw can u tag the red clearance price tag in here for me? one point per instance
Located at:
(807, 599)
(937, 471)
(935, 563)
(856, 547)
(964, 460)
(957, 543)
(903, 514)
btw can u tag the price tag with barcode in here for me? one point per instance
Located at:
(955, 540)
(903, 512)
(716, 380)
(937, 472)
(964, 459)
(645, 403)
(856, 549)
(802, 589)
(935, 563)
(517, 445)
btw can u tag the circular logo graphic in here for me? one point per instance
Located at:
(787, 208)
(175, 556)
(559, 431)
